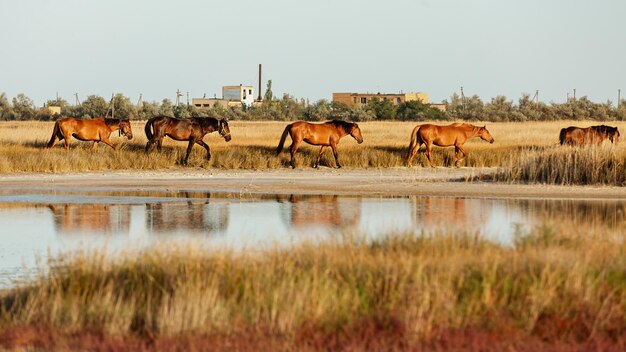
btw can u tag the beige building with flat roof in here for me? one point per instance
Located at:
(361, 99)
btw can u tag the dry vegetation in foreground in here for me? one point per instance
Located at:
(254, 143)
(553, 290)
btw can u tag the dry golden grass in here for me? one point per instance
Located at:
(555, 283)
(253, 145)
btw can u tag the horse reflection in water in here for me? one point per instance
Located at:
(329, 211)
(196, 214)
(91, 218)
(450, 214)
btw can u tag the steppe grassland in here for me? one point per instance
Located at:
(253, 146)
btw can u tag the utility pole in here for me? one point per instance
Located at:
(260, 98)
(178, 95)
(619, 97)
(77, 100)
(139, 101)
(462, 98)
(536, 98)
(574, 94)
(187, 98)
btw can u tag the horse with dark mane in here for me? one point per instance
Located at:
(96, 130)
(445, 136)
(325, 134)
(590, 135)
(192, 130)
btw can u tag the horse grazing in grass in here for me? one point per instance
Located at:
(325, 134)
(96, 130)
(591, 135)
(445, 136)
(192, 130)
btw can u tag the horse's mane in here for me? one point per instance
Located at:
(206, 121)
(604, 129)
(347, 126)
(112, 122)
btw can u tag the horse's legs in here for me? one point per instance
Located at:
(95, 146)
(292, 149)
(107, 142)
(413, 153)
(429, 147)
(191, 143)
(334, 147)
(460, 149)
(67, 143)
(206, 146)
(160, 144)
(148, 145)
(319, 157)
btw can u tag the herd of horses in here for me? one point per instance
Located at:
(326, 134)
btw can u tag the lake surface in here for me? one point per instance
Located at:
(39, 223)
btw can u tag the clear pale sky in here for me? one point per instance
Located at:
(312, 48)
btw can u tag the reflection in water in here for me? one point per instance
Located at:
(91, 218)
(67, 221)
(191, 217)
(451, 214)
(329, 211)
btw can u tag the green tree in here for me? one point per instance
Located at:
(499, 109)
(124, 108)
(94, 106)
(148, 110)
(413, 110)
(23, 107)
(6, 110)
(269, 95)
(382, 109)
(166, 108)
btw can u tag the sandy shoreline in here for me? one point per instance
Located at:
(384, 182)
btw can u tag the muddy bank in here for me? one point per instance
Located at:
(389, 182)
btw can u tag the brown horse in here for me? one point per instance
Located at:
(325, 134)
(192, 130)
(96, 130)
(445, 136)
(591, 135)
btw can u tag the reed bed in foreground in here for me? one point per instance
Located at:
(551, 289)
(568, 166)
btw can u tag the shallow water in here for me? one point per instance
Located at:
(39, 223)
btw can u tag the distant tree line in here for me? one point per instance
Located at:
(289, 108)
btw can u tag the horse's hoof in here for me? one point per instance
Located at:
(339, 166)
(315, 166)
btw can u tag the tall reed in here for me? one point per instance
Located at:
(553, 285)
(604, 164)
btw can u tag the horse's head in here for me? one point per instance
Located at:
(125, 129)
(355, 132)
(223, 129)
(484, 134)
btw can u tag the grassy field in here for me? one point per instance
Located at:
(528, 152)
(556, 289)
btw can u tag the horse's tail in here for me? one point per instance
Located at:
(282, 139)
(415, 143)
(563, 136)
(55, 131)
(148, 129)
